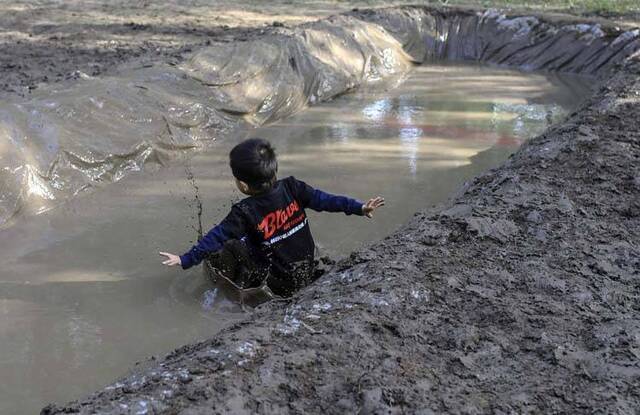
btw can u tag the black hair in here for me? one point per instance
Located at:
(254, 162)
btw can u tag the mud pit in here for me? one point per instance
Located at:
(520, 294)
(415, 143)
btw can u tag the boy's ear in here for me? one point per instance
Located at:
(242, 186)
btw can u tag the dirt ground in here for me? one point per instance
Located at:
(47, 41)
(519, 296)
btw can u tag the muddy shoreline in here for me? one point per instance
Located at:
(519, 295)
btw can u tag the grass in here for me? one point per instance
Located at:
(601, 7)
(574, 6)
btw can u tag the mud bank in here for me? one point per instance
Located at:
(520, 295)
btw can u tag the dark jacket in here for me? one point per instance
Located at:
(274, 225)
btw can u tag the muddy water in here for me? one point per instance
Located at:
(417, 144)
(82, 294)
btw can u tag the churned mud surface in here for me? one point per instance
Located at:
(520, 295)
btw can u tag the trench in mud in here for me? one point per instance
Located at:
(84, 296)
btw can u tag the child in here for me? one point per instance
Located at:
(267, 235)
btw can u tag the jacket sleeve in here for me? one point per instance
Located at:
(321, 201)
(232, 227)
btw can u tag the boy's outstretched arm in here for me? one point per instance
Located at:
(230, 228)
(321, 201)
(211, 242)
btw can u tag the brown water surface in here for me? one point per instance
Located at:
(83, 295)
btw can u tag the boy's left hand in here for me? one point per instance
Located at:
(171, 260)
(371, 205)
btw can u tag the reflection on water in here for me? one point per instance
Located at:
(82, 292)
(417, 143)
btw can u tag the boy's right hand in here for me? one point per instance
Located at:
(371, 205)
(172, 260)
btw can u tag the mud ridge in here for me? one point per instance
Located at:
(520, 295)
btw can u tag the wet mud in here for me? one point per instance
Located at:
(81, 299)
(519, 295)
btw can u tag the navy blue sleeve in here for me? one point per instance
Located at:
(324, 202)
(232, 227)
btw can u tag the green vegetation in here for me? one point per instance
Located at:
(588, 7)
(574, 6)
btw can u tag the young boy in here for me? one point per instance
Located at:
(267, 235)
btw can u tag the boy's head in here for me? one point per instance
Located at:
(254, 165)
